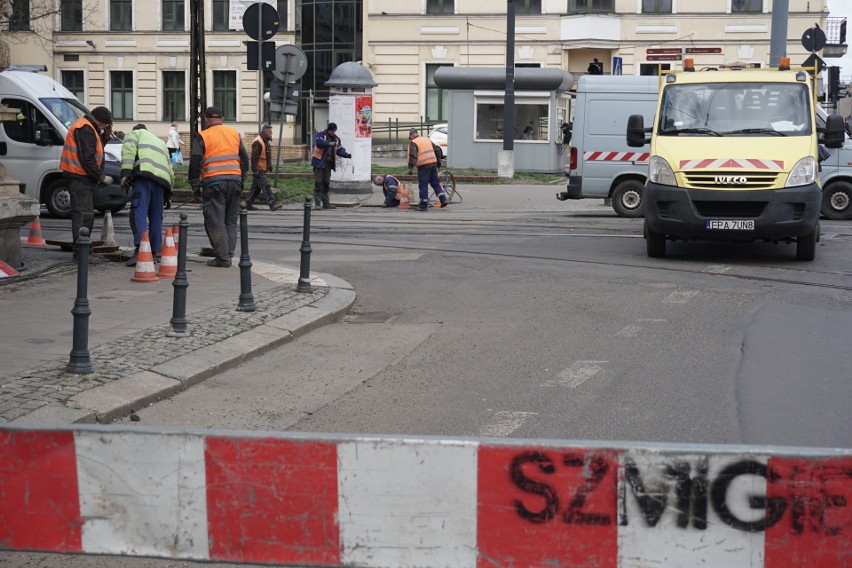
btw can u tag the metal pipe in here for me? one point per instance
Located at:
(80, 362)
(778, 32)
(180, 284)
(246, 303)
(304, 284)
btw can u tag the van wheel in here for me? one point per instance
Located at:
(58, 199)
(837, 201)
(627, 199)
(655, 243)
(806, 246)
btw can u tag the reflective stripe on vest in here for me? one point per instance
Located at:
(261, 161)
(425, 152)
(144, 151)
(69, 161)
(221, 152)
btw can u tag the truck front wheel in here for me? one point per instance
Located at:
(837, 201)
(58, 199)
(655, 243)
(627, 199)
(806, 246)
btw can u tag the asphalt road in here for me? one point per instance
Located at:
(514, 315)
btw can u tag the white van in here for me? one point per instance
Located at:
(602, 165)
(30, 145)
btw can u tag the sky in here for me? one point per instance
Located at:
(839, 8)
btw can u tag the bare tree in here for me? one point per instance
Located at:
(42, 22)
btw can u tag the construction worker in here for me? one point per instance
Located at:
(217, 168)
(423, 154)
(82, 164)
(260, 159)
(146, 171)
(326, 146)
(390, 187)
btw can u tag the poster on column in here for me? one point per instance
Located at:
(357, 140)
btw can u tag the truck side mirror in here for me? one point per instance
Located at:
(636, 131)
(833, 133)
(44, 135)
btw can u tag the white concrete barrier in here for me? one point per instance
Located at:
(393, 502)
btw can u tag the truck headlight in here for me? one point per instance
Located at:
(803, 173)
(661, 172)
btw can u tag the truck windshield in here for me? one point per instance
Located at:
(735, 109)
(67, 111)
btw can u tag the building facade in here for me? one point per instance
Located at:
(134, 55)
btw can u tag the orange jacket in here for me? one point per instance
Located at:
(70, 160)
(221, 152)
(425, 152)
(261, 159)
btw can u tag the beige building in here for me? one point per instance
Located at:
(404, 42)
(133, 55)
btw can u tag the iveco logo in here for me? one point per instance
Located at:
(731, 179)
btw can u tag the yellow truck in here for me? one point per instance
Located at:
(734, 157)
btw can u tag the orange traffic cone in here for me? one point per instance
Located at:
(145, 262)
(35, 239)
(402, 195)
(168, 260)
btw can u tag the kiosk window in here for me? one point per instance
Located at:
(489, 121)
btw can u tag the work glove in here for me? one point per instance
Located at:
(167, 203)
(347, 155)
(196, 191)
(410, 171)
(106, 180)
(125, 183)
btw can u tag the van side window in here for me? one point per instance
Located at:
(22, 127)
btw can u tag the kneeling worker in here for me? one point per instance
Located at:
(390, 186)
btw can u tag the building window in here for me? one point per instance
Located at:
(173, 16)
(174, 96)
(220, 15)
(528, 6)
(121, 94)
(746, 5)
(120, 15)
(281, 7)
(225, 92)
(653, 68)
(437, 99)
(531, 121)
(582, 6)
(656, 6)
(19, 21)
(440, 6)
(73, 81)
(71, 19)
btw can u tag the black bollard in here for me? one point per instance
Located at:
(80, 361)
(180, 284)
(304, 284)
(246, 298)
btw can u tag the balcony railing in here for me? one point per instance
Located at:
(835, 31)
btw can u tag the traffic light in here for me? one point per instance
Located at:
(833, 83)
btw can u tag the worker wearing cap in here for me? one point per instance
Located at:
(82, 164)
(326, 146)
(423, 154)
(217, 167)
(146, 171)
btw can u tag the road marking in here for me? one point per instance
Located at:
(718, 268)
(629, 331)
(504, 423)
(575, 375)
(680, 297)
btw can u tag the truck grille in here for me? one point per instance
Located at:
(733, 179)
(730, 209)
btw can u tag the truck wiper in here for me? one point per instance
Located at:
(701, 130)
(756, 131)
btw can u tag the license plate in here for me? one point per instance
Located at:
(730, 225)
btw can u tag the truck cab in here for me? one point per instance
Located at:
(30, 145)
(733, 157)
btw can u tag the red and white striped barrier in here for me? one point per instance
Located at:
(636, 157)
(400, 502)
(733, 163)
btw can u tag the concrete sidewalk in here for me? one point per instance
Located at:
(135, 362)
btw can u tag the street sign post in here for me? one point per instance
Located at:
(260, 22)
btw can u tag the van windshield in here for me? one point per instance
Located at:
(66, 110)
(735, 109)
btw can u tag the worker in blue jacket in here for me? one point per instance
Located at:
(390, 187)
(326, 146)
